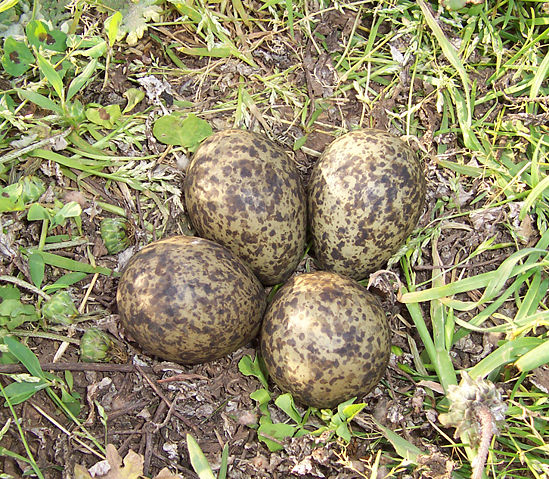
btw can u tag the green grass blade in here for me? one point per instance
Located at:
(198, 459)
(290, 10)
(4, 451)
(70, 264)
(40, 100)
(464, 109)
(7, 4)
(507, 353)
(218, 52)
(533, 297)
(440, 358)
(463, 112)
(79, 164)
(472, 171)
(534, 358)
(505, 271)
(532, 197)
(541, 75)
(493, 281)
(404, 448)
(224, 462)
(78, 82)
(51, 75)
(241, 10)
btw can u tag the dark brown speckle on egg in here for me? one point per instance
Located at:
(189, 300)
(325, 339)
(244, 192)
(365, 197)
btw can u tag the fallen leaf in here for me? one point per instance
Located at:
(80, 472)
(114, 468)
(166, 474)
(132, 468)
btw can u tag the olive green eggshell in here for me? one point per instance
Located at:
(244, 192)
(325, 339)
(189, 300)
(365, 197)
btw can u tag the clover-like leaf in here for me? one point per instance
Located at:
(104, 116)
(39, 35)
(187, 131)
(17, 57)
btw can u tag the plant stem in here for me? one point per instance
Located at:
(45, 335)
(486, 421)
(31, 460)
(23, 284)
(43, 234)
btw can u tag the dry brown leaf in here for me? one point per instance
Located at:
(130, 468)
(80, 472)
(166, 474)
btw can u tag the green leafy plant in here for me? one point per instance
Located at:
(100, 347)
(13, 313)
(60, 308)
(181, 130)
(134, 15)
(338, 423)
(458, 4)
(17, 57)
(273, 434)
(114, 234)
(16, 14)
(51, 218)
(24, 387)
(47, 50)
(208, 25)
(17, 196)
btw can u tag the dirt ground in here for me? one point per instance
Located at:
(152, 406)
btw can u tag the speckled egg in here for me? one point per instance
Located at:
(244, 192)
(365, 197)
(325, 339)
(189, 300)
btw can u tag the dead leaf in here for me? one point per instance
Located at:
(132, 468)
(113, 468)
(166, 474)
(80, 472)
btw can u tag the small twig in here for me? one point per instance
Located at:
(149, 436)
(181, 377)
(166, 420)
(428, 267)
(126, 444)
(66, 244)
(87, 295)
(126, 409)
(69, 434)
(161, 395)
(101, 367)
(45, 142)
